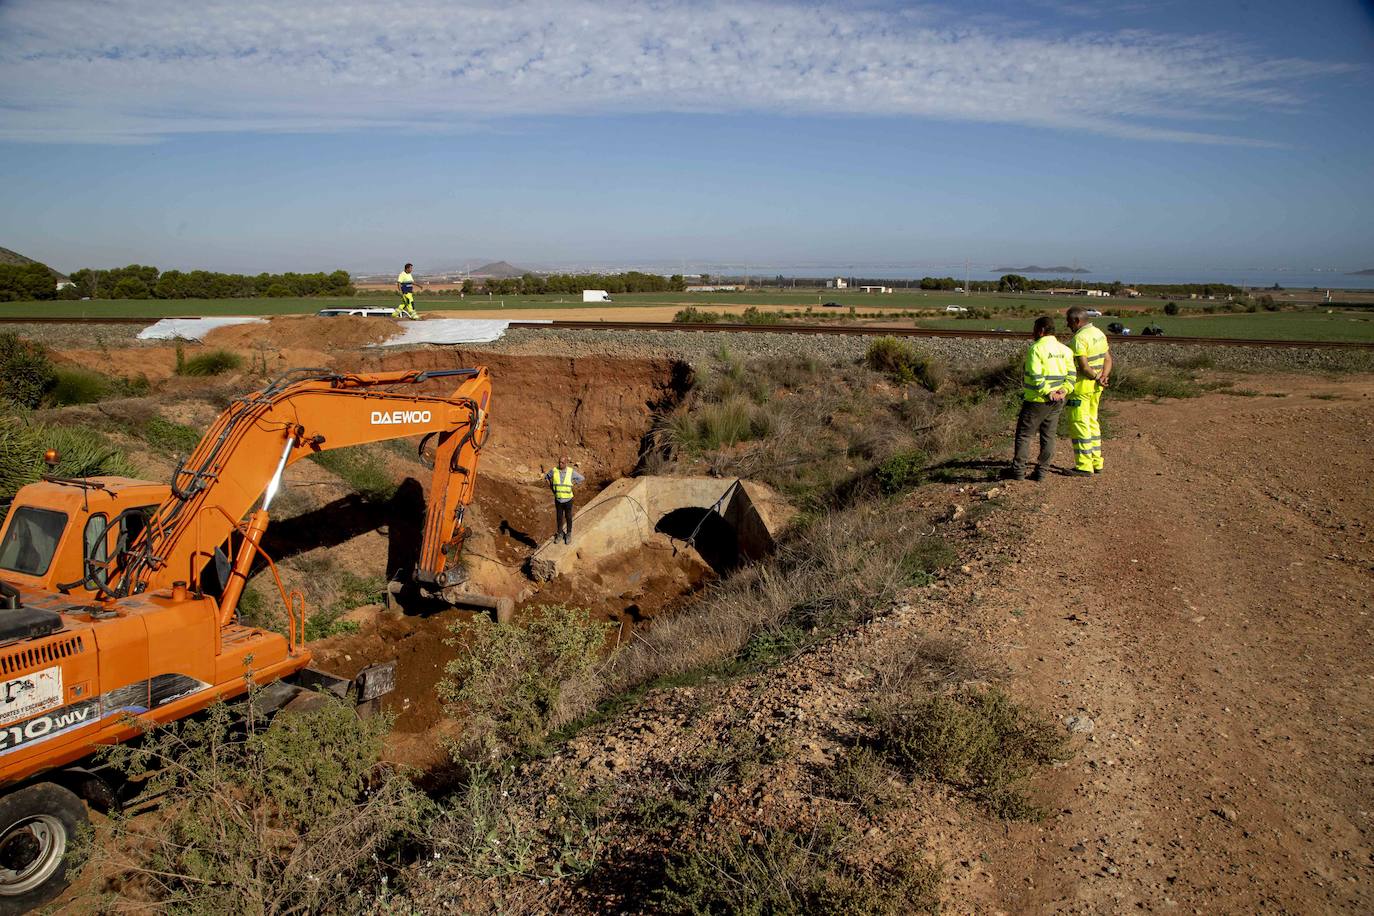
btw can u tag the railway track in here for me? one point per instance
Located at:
(853, 330)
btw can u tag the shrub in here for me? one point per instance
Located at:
(694, 315)
(978, 741)
(791, 871)
(925, 557)
(1171, 307)
(1132, 384)
(861, 777)
(26, 373)
(512, 684)
(293, 817)
(902, 472)
(354, 592)
(168, 437)
(213, 362)
(903, 363)
(78, 386)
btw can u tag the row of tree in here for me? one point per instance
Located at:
(138, 281)
(534, 284)
(22, 282)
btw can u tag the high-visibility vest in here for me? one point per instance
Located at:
(1091, 344)
(407, 282)
(1049, 368)
(562, 484)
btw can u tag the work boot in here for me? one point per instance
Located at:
(1037, 475)
(1013, 474)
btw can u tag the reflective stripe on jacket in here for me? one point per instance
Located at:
(1049, 368)
(1091, 344)
(562, 484)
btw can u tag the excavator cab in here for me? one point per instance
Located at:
(69, 536)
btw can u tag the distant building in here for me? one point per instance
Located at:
(1094, 292)
(1131, 293)
(63, 284)
(837, 283)
(875, 289)
(712, 288)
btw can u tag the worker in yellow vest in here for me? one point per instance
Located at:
(1093, 360)
(405, 285)
(1048, 379)
(561, 480)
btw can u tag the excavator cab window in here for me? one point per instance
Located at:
(95, 547)
(31, 540)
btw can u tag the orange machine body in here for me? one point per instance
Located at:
(146, 639)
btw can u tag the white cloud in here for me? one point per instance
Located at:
(138, 70)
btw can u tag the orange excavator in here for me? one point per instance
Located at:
(119, 598)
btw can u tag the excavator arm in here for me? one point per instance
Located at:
(243, 455)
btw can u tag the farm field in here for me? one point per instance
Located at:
(1307, 325)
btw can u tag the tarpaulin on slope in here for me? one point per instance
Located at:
(191, 328)
(450, 331)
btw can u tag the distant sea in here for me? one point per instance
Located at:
(1298, 278)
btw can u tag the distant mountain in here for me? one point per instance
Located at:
(16, 259)
(1037, 269)
(499, 270)
(1354, 273)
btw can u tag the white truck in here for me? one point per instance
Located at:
(595, 295)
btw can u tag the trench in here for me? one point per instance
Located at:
(642, 547)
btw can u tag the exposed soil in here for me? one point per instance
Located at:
(1203, 608)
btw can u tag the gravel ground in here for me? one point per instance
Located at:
(702, 347)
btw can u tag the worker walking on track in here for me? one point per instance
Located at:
(1093, 360)
(561, 480)
(405, 285)
(1048, 379)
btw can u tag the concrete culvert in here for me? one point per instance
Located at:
(737, 521)
(714, 538)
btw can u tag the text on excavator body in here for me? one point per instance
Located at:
(383, 418)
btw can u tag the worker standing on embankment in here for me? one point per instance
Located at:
(1048, 379)
(1093, 360)
(561, 480)
(405, 285)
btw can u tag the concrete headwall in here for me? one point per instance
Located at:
(621, 517)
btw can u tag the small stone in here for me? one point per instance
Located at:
(1227, 814)
(1079, 725)
(993, 493)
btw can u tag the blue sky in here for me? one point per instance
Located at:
(290, 135)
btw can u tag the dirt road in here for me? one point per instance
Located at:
(1207, 604)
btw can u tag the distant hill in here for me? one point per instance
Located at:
(499, 270)
(18, 260)
(1354, 273)
(1037, 269)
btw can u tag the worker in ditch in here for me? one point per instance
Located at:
(561, 480)
(1048, 379)
(1093, 361)
(405, 285)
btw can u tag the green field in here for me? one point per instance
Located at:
(1015, 312)
(1308, 325)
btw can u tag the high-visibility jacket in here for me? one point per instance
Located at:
(407, 282)
(562, 481)
(1049, 368)
(1091, 345)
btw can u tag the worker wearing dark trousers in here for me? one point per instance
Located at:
(1048, 378)
(561, 480)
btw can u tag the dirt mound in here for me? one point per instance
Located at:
(293, 332)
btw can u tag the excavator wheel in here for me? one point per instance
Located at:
(39, 825)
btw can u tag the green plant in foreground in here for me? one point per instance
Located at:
(791, 871)
(295, 816)
(902, 471)
(81, 452)
(513, 684)
(213, 362)
(978, 741)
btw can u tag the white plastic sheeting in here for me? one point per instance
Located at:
(191, 328)
(450, 331)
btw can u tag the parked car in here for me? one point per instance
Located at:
(1153, 330)
(832, 305)
(955, 308)
(1094, 313)
(358, 311)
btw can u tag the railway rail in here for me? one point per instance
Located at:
(855, 330)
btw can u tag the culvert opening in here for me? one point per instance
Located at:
(713, 537)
